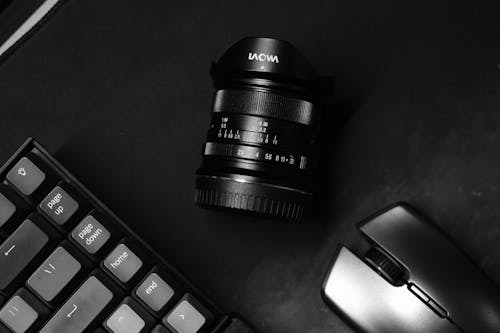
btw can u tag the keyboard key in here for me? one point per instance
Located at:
(81, 309)
(129, 317)
(13, 209)
(185, 318)
(54, 274)
(125, 320)
(26, 176)
(19, 250)
(59, 206)
(123, 263)
(188, 316)
(155, 292)
(18, 315)
(29, 314)
(7, 209)
(90, 234)
(160, 329)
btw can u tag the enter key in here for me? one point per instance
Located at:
(81, 309)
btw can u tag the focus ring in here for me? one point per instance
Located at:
(258, 198)
(265, 104)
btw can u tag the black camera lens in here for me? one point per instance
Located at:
(259, 152)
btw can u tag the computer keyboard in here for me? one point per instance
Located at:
(68, 264)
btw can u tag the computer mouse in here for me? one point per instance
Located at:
(410, 277)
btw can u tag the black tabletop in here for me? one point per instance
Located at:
(120, 92)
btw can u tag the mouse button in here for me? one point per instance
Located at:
(366, 299)
(419, 293)
(441, 312)
(399, 228)
(407, 238)
(430, 258)
(433, 262)
(354, 287)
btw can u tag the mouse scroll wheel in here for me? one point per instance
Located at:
(385, 266)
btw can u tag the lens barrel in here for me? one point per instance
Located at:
(260, 147)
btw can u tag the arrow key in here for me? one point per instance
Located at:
(189, 316)
(129, 317)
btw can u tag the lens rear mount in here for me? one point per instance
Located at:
(237, 193)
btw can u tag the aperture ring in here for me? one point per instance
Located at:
(292, 160)
(265, 104)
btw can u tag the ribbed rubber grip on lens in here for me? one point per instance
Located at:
(265, 104)
(263, 199)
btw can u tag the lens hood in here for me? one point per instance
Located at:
(267, 62)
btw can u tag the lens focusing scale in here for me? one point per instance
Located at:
(259, 152)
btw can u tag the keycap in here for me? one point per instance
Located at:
(13, 209)
(123, 263)
(30, 314)
(81, 309)
(188, 316)
(160, 329)
(54, 274)
(19, 250)
(155, 292)
(76, 265)
(129, 317)
(59, 206)
(7, 209)
(185, 318)
(26, 176)
(18, 315)
(125, 320)
(90, 234)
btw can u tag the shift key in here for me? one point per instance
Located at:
(81, 309)
(19, 250)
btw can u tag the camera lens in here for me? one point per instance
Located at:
(259, 152)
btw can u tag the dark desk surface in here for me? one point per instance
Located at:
(120, 92)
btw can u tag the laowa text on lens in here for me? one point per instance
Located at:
(263, 57)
